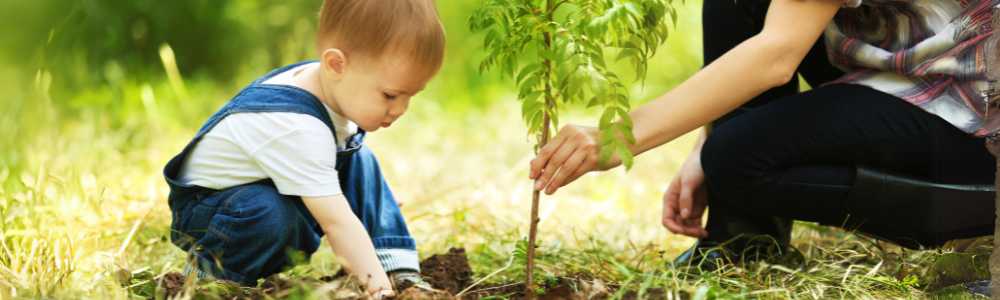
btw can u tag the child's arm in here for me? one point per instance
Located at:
(349, 240)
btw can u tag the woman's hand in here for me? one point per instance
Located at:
(686, 199)
(572, 153)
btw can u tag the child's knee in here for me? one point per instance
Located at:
(262, 211)
(251, 214)
(253, 230)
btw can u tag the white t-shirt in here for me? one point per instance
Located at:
(294, 150)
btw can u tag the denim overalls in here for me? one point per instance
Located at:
(251, 231)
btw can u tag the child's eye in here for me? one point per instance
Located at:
(389, 97)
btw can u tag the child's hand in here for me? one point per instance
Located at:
(382, 294)
(572, 153)
(353, 244)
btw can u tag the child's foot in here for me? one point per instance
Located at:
(191, 270)
(402, 280)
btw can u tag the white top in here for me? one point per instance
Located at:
(294, 150)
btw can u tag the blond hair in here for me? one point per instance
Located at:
(369, 29)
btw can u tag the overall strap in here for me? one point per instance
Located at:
(259, 98)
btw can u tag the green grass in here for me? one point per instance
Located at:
(84, 199)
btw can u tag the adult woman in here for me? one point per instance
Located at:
(911, 103)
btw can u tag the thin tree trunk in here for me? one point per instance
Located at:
(546, 120)
(536, 197)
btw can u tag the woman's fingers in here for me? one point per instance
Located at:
(670, 207)
(544, 154)
(672, 219)
(554, 159)
(686, 200)
(670, 199)
(693, 228)
(673, 226)
(684, 227)
(690, 216)
(569, 168)
(555, 165)
(588, 165)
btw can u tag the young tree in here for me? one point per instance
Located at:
(556, 51)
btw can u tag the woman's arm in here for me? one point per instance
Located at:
(765, 61)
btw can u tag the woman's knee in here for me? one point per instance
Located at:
(726, 155)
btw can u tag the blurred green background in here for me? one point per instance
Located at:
(97, 58)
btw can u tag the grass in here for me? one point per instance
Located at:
(85, 200)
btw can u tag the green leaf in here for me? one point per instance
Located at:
(627, 53)
(628, 159)
(530, 107)
(607, 118)
(509, 64)
(531, 82)
(531, 69)
(594, 101)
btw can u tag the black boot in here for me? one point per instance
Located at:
(703, 255)
(916, 213)
(709, 256)
(737, 238)
(981, 288)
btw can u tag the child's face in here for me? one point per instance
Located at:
(373, 93)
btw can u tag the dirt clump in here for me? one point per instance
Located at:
(417, 293)
(562, 292)
(449, 271)
(172, 284)
(653, 293)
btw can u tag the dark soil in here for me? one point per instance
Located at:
(416, 293)
(449, 271)
(171, 283)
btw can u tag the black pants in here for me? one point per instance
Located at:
(792, 156)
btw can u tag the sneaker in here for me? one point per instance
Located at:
(402, 280)
(190, 269)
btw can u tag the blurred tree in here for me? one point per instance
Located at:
(215, 37)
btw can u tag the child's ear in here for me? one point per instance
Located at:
(334, 61)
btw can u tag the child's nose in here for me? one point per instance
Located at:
(399, 108)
